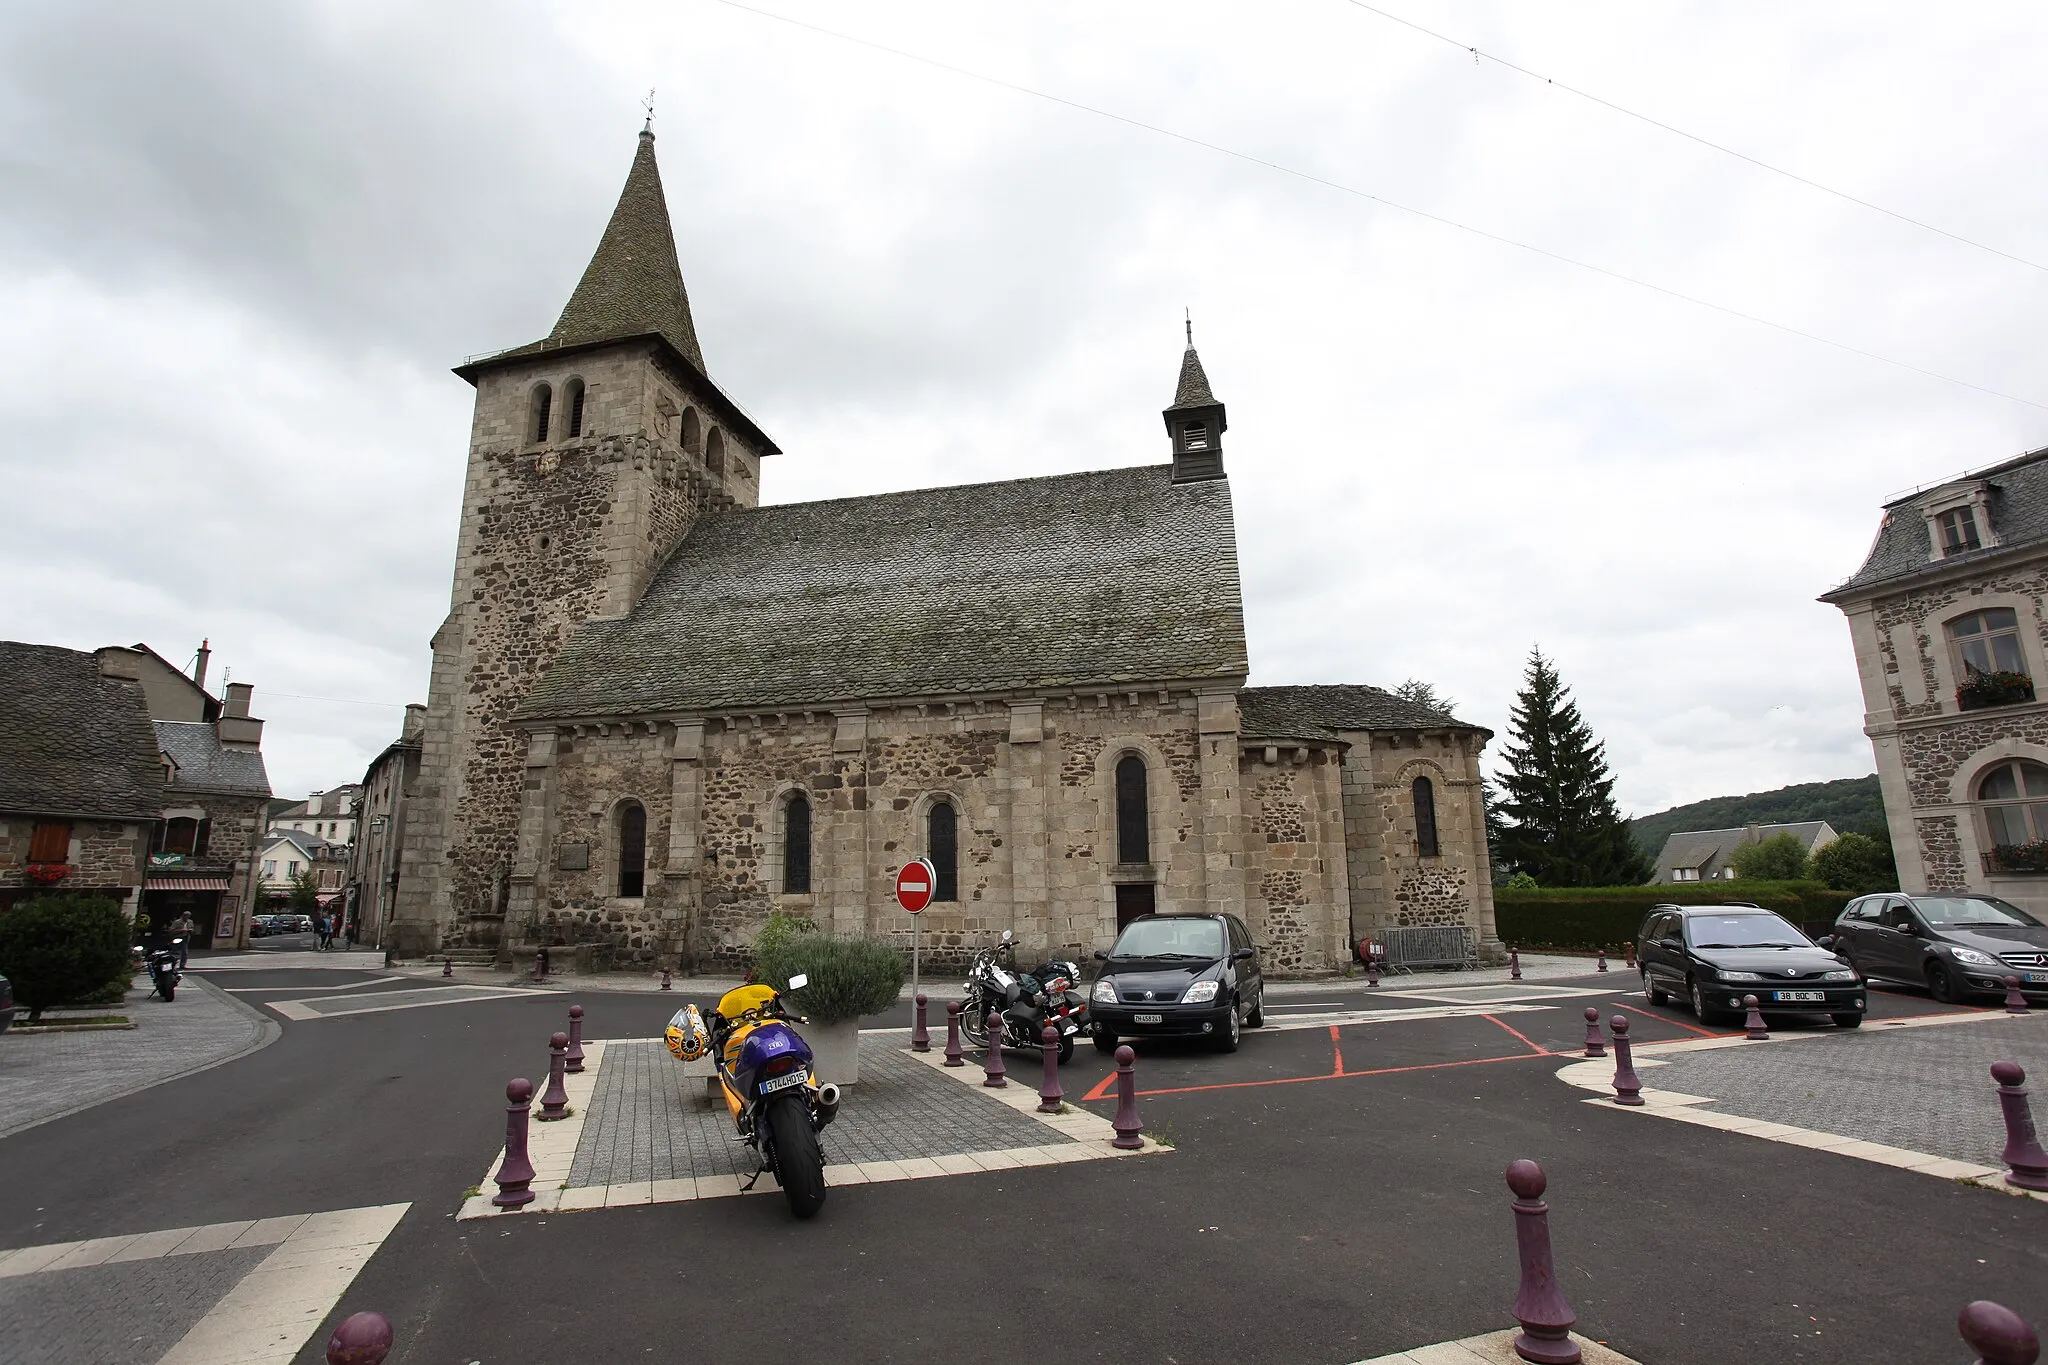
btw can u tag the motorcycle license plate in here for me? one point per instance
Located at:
(1148, 1018)
(1800, 996)
(774, 1083)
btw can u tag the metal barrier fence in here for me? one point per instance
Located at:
(1450, 945)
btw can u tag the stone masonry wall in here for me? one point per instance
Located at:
(105, 856)
(1294, 857)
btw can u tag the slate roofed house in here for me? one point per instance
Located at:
(661, 710)
(1946, 622)
(1708, 855)
(81, 777)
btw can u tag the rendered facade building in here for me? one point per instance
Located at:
(660, 710)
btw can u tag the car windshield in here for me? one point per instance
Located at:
(1742, 931)
(1972, 911)
(1172, 937)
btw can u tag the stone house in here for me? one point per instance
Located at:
(1708, 855)
(1946, 619)
(330, 815)
(659, 710)
(375, 868)
(81, 779)
(202, 856)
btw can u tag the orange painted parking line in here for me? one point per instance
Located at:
(1337, 1050)
(1539, 1051)
(1667, 1019)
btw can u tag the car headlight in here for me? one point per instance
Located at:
(1199, 992)
(1727, 975)
(1838, 976)
(1974, 958)
(1104, 992)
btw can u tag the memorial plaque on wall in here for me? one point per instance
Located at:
(573, 858)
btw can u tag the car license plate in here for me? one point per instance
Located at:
(1148, 1018)
(775, 1083)
(2032, 978)
(1798, 996)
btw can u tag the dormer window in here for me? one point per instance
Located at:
(1197, 437)
(1959, 532)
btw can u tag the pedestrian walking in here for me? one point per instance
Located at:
(325, 925)
(182, 929)
(348, 937)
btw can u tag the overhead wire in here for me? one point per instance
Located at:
(1340, 187)
(1479, 54)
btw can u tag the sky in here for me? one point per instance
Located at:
(241, 245)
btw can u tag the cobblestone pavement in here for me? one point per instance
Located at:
(647, 1121)
(48, 1075)
(1924, 1089)
(124, 1314)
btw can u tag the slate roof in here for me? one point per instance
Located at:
(2018, 496)
(1320, 711)
(330, 809)
(204, 766)
(72, 741)
(1193, 389)
(1115, 576)
(1711, 850)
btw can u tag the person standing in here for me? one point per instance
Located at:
(182, 930)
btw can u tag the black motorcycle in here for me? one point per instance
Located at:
(162, 962)
(1027, 1001)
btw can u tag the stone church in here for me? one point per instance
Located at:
(660, 710)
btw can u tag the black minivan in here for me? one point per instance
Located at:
(1955, 944)
(1184, 976)
(1713, 955)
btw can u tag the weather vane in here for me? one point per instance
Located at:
(1191, 326)
(648, 105)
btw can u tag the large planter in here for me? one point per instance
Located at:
(835, 1050)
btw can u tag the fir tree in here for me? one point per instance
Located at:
(1558, 821)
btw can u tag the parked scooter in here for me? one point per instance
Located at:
(1028, 1001)
(162, 962)
(765, 1074)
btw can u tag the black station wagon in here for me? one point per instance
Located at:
(1713, 955)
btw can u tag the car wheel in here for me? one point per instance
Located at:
(1652, 992)
(1227, 1040)
(1701, 1011)
(1257, 1017)
(1945, 985)
(1105, 1041)
(1847, 1020)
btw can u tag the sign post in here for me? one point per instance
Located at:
(914, 886)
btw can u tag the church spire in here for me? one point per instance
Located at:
(634, 284)
(1195, 422)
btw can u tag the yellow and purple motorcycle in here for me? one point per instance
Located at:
(766, 1076)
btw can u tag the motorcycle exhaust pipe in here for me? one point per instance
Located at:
(828, 1104)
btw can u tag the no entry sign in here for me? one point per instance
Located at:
(914, 885)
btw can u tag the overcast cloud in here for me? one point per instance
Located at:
(241, 245)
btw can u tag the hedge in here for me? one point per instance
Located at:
(1591, 917)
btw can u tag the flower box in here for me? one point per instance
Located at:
(2019, 857)
(49, 874)
(1980, 690)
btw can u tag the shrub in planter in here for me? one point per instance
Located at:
(58, 949)
(845, 978)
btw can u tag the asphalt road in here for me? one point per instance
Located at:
(1305, 1216)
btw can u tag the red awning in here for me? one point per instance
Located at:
(186, 884)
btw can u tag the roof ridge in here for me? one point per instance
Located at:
(1074, 475)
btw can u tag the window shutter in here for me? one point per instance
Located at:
(51, 842)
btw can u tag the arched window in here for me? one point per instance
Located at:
(942, 846)
(2015, 797)
(1424, 792)
(543, 409)
(714, 451)
(632, 849)
(573, 394)
(796, 846)
(693, 431)
(1133, 819)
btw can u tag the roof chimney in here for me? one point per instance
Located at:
(199, 663)
(415, 722)
(313, 804)
(236, 727)
(124, 665)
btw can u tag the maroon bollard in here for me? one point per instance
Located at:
(515, 1172)
(665, 980)
(1514, 965)
(1372, 967)
(1628, 1087)
(1603, 958)
(554, 1101)
(447, 969)
(992, 1069)
(1546, 1335)
(1596, 1046)
(954, 1057)
(574, 1064)
(1998, 1335)
(1628, 951)
(2022, 1149)
(1754, 1021)
(1129, 1127)
(362, 1339)
(540, 964)
(2015, 1003)
(920, 1036)
(1051, 1099)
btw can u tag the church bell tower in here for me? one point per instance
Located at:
(1195, 422)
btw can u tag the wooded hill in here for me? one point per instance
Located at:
(1849, 803)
